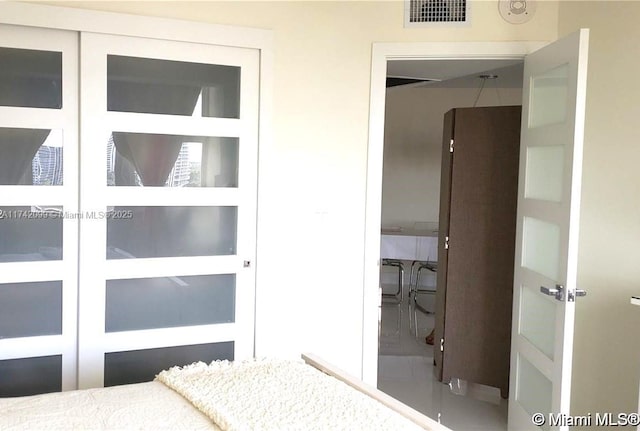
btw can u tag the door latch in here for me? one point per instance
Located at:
(558, 292)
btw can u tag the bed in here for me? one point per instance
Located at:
(229, 396)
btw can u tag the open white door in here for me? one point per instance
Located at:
(547, 233)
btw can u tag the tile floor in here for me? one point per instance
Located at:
(405, 371)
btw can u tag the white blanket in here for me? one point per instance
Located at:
(278, 395)
(144, 406)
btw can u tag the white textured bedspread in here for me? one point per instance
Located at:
(280, 396)
(143, 406)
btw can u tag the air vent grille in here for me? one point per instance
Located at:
(425, 12)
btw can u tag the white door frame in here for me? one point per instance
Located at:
(381, 53)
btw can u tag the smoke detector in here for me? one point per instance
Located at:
(517, 11)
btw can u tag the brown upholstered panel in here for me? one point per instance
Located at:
(478, 284)
(443, 228)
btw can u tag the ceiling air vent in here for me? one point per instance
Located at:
(426, 13)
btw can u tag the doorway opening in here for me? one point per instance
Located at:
(413, 146)
(554, 108)
(460, 56)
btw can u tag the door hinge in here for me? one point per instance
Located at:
(446, 243)
(451, 146)
(442, 344)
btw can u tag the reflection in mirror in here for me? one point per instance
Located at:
(30, 233)
(30, 78)
(154, 86)
(146, 232)
(167, 302)
(30, 156)
(137, 366)
(143, 159)
(30, 309)
(30, 376)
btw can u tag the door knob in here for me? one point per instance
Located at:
(572, 295)
(558, 293)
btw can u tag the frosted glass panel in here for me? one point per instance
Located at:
(534, 389)
(545, 169)
(137, 366)
(142, 159)
(165, 302)
(538, 320)
(30, 376)
(155, 86)
(30, 233)
(548, 103)
(541, 247)
(30, 156)
(29, 309)
(142, 232)
(30, 78)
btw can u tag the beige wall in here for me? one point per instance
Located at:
(607, 347)
(315, 175)
(413, 147)
(318, 159)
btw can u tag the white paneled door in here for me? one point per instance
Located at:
(169, 176)
(130, 247)
(545, 288)
(38, 185)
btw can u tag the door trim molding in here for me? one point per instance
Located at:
(66, 18)
(381, 54)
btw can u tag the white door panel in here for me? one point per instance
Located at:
(170, 170)
(38, 189)
(547, 231)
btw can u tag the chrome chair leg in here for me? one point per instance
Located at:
(400, 291)
(431, 266)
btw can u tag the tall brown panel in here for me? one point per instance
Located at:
(475, 273)
(443, 229)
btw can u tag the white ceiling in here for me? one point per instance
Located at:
(459, 73)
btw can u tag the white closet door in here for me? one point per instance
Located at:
(168, 193)
(38, 204)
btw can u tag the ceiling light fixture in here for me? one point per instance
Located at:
(484, 78)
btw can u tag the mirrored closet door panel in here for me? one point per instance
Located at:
(168, 187)
(38, 210)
